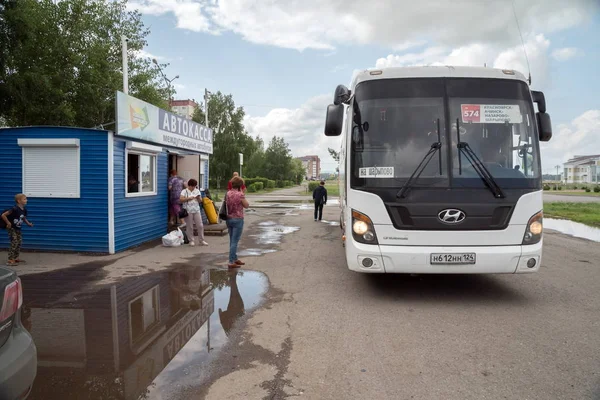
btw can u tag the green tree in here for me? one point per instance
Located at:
(255, 167)
(229, 135)
(297, 171)
(278, 159)
(61, 62)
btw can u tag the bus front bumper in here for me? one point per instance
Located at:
(418, 259)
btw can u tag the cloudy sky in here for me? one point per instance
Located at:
(281, 59)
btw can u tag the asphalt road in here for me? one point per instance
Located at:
(295, 322)
(328, 333)
(570, 199)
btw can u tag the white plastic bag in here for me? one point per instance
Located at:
(173, 238)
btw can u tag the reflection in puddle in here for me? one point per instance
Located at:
(271, 232)
(255, 252)
(573, 228)
(146, 337)
(331, 223)
(294, 204)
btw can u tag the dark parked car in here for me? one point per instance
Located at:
(18, 355)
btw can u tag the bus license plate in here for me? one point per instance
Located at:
(445, 258)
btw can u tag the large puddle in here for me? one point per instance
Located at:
(573, 228)
(298, 204)
(272, 233)
(149, 337)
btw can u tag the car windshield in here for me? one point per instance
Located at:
(392, 134)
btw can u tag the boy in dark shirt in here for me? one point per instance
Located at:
(14, 219)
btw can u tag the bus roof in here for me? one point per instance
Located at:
(435, 72)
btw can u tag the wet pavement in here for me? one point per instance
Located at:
(271, 233)
(573, 228)
(149, 337)
(111, 329)
(162, 323)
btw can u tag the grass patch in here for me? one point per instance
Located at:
(586, 213)
(333, 190)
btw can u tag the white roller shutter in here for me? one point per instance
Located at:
(51, 170)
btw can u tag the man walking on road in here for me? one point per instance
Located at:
(229, 186)
(320, 198)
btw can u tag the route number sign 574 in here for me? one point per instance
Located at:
(471, 113)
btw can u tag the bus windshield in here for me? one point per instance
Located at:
(396, 122)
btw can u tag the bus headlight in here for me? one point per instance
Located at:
(535, 228)
(363, 230)
(360, 227)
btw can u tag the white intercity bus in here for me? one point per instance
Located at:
(440, 170)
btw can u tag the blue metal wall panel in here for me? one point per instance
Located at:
(205, 183)
(60, 224)
(138, 219)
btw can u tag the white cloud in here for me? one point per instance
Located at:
(190, 14)
(580, 137)
(146, 54)
(409, 44)
(428, 56)
(302, 128)
(399, 24)
(478, 54)
(565, 53)
(537, 52)
(339, 68)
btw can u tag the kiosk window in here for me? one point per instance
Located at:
(141, 174)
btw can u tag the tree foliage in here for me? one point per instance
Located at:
(334, 154)
(229, 135)
(297, 172)
(61, 62)
(278, 159)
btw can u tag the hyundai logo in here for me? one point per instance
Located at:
(451, 216)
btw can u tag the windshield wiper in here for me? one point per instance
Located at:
(435, 147)
(477, 165)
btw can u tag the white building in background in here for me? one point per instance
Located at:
(582, 169)
(184, 108)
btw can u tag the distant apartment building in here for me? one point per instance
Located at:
(184, 108)
(312, 166)
(582, 169)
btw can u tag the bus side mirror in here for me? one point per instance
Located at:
(342, 95)
(545, 126)
(334, 120)
(540, 99)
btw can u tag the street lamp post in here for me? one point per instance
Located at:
(124, 41)
(169, 81)
(206, 96)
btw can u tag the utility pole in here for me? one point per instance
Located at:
(206, 96)
(124, 41)
(557, 167)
